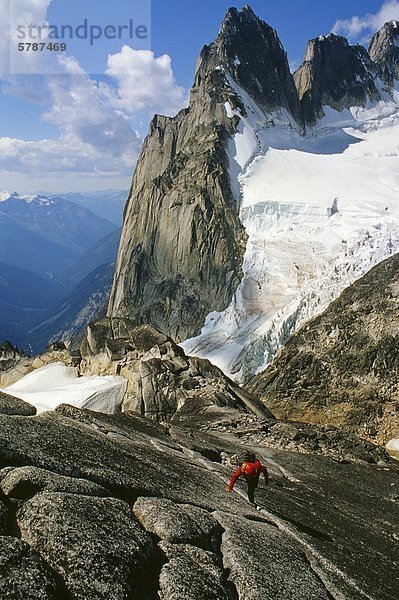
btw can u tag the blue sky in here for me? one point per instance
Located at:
(76, 123)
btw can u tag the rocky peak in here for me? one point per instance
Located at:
(251, 52)
(182, 244)
(334, 74)
(384, 51)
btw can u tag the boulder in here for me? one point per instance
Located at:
(162, 382)
(25, 482)
(193, 574)
(177, 523)
(94, 544)
(10, 405)
(24, 574)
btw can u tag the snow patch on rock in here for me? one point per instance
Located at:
(392, 447)
(55, 384)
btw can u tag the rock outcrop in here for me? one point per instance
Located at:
(162, 382)
(9, 356)
(182, 244)
(155, 522)
(341, 368)
(9, 405)
(384, 51)
(334, 74)
(324, 440)
(22, 364)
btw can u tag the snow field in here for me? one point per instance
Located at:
(320, 210)
(55, 384)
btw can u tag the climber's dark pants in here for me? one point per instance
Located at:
(252, 485)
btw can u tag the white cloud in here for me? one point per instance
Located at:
(360, 28)
(22, 13)
(97, 120)
(145, 82)
(81, 108)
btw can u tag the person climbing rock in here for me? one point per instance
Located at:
(250, 468)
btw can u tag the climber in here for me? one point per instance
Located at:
(250, 469)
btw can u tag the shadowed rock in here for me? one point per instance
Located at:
(9, 405)
(384, 50)
(334, 74)
(24, 574)
(93, 543)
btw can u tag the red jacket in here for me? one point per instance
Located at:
(250, 470)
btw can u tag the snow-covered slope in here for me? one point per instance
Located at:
(320, 210)
(55, 384)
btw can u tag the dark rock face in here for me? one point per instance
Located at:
(341, 368)
(93, 543)
(334, 74)
(252, 53)
(25, 482)
(9, 356)
(384, 51)
(182, 244)
(9, 405)
(323, 529)
(24, 574)
(3, 519)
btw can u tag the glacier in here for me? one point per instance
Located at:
(320, 208)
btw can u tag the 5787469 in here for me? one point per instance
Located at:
(42, 46)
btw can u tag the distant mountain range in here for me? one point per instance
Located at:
(44, 234)
(108, 204)
(48, 246)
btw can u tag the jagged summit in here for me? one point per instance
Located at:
(334, 74)
(384, 51)
(253, 55)
(182, 245)
(220, 215)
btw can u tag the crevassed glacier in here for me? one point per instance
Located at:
(320, 209)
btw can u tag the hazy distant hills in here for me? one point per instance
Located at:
(48, 246)
(44, 234)
(108, 204)
(23, 297)
(68, 316)
(104, 251)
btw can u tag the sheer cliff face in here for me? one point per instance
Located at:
(182, 244)
(384, 51)
(334, 74)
